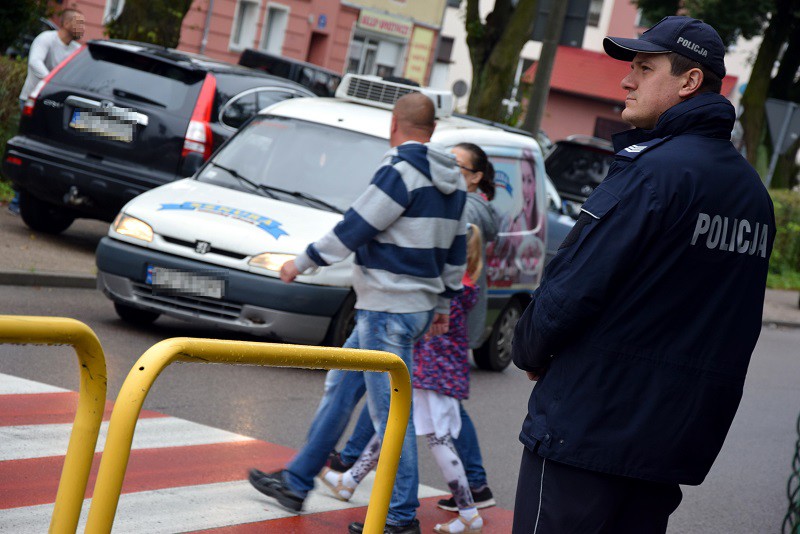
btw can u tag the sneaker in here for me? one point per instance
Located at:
(272, 485)
(409, 528)
(13, 207)
(483, 498)
(335, 462)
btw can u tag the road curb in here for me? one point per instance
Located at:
(42, 279)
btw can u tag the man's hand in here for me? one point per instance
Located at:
(440, 325)
(289, 271)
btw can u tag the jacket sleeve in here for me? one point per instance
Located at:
(37, 55)
(383, 202)
(480, 213)
(615, 226)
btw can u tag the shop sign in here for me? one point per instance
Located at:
(419, 53)
(385, 24)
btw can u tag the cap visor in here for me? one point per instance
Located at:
(626, 49)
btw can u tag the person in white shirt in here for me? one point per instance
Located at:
(48, 50)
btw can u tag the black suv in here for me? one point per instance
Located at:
(118, 118)
(576, 166)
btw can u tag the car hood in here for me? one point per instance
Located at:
(234, 225)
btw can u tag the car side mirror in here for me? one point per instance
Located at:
(191, 163)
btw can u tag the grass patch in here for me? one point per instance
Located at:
(6, 192)
(784, 280)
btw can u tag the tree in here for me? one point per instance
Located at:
(18, 17)
(779, 22)
(494, 48)
(150, 21)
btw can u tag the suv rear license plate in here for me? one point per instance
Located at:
(184, 283)
(102, 125)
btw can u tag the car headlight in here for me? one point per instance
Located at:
(271, 261)
(133, 227)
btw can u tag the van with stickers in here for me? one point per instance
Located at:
(209, 248)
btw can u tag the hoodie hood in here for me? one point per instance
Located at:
(707, 114)
(433, 161)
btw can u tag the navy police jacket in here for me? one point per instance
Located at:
(646, 318)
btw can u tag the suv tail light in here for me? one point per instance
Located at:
(27, 108)
(198, 135)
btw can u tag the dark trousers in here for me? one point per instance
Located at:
(556, 498)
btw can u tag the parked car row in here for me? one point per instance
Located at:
(118, 118)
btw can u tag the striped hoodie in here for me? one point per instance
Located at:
(407, 231)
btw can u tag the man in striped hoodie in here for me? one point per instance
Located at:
(408, 234)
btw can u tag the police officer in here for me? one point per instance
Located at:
(642, 329)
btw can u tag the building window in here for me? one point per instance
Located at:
(274, 28)
(244, 24)
(112, 10)
(595, 10)
(445, 50)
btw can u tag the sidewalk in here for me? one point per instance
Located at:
(34, 259)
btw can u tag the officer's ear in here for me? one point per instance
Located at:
(692, 80)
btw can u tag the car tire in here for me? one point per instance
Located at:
(43, 216)
(495, 353)
(342, 323)
(136, 316)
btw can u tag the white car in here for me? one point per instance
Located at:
(209, 248)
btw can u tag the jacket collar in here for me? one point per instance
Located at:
(707, 114)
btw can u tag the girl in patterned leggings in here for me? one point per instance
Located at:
(440, 380)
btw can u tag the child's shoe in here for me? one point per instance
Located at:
(459, 525)
(335, 482)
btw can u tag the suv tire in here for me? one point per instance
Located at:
(43, 216)
(495, 353)
(342, 323)
(135, 316)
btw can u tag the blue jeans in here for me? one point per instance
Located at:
(392, 332)
(466, 445)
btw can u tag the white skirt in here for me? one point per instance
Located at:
(435, 413)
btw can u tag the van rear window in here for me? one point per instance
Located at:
(113, 74)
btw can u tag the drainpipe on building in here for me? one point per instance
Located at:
(204, 41)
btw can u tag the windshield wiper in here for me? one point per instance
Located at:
(268, 189)
(248, 181)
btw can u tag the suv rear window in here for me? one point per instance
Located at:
(115, 73)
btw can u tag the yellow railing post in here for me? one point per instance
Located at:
(91, 403)
(141, 377)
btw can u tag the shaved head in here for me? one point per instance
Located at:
(415, 117)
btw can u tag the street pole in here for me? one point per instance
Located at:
(777, 145)
(541, 83)
(204, 42)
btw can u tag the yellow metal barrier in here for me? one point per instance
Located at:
(159, 356)
(22, 330)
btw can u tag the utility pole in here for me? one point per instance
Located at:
(541, 84)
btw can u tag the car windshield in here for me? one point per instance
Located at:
(298, 162)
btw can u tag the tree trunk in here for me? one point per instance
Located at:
(540, 88)
(150, 21)
(754, 117)
(494, 50)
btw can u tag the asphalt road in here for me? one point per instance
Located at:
(745, 492)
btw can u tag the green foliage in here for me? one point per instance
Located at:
(784, 264)
(731, 18)
(150, 21)
(12, 76)
(18, 16)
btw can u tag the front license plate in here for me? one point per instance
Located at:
(184, 283)
(102, 125)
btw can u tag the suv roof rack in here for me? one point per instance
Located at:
(378, 92)
(487, 122)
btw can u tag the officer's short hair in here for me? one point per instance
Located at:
(681, 64)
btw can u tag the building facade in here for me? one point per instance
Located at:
(585, 95)
(385, 37)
